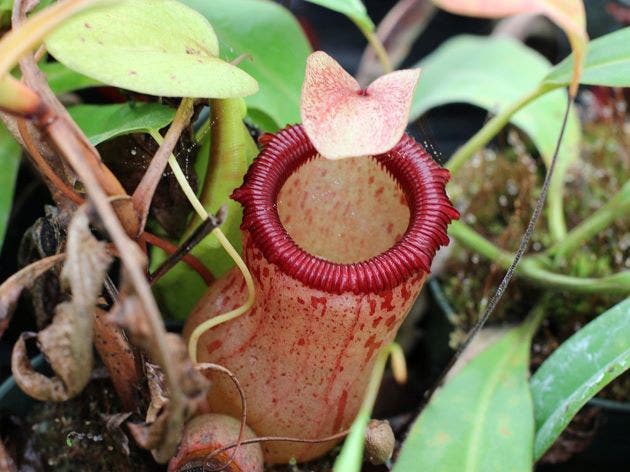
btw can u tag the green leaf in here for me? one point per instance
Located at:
(262, 121)
(577, 370)
(568, 15)
(493, 73)
(482, 419)
(103, 122)
(353, 9)
(277, 45)
(5, 12)
(607, 63)
(158, 47)
(350, 458)
(64, 80)
(10, 152)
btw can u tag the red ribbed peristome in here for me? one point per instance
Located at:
(422, 180)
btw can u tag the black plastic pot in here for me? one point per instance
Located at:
(13, 400)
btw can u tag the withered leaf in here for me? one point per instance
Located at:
(117, 357)
(86, 265)
(157, 390)
(152, 436)
(113, 425)
(174, 399)
(11, 289)
(67, 341)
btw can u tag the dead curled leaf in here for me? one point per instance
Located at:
(67, 341)
(342, 120)
(162, 430)
(113, 425)
(157, 392)
(118, 358)
(11, 289)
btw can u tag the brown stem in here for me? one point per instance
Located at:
(143, 195)
(118, 358)
(241, 392)
(100, 184)
(53, 115)
(43, 165)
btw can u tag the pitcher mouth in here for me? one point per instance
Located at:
(420, 178)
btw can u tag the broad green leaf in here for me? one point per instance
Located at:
(103, 122)
(277, 45)
(482, 419)
(607, 63)
(10, 152)
(353, 9)
(577, 370)
(494, 73)
(64, 80)
(262, 121)
(158, 47)
(567, 14)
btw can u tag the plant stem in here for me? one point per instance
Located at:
(351, 455)
(377, 45)
(203, 214)
(532, 270)
(490, 130)
(143, 194)
(470, 239)
(616, 207)
(557, 225)
(17, 98)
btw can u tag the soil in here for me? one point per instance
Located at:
(80, 434)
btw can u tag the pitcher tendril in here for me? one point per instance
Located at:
(225, 243)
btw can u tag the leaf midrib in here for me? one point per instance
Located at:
(472, 455)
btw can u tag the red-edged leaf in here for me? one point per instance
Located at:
(342, 120)
(567, 14)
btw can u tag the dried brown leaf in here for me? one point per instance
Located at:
(67, 341)
(113, 425)
(172, 402)
(152, 436)
(165, 419)
(11, 289)
(33, 383)
(86, 265)
(157, 391)
(118, 358)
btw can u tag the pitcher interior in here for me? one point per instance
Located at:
(344, 211)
